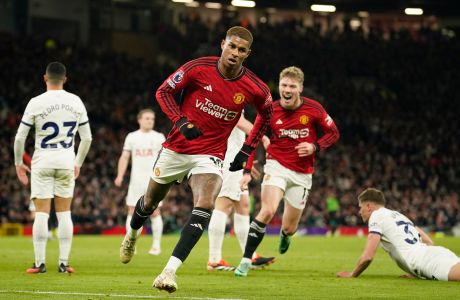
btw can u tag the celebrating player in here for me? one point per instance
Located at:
(214, 93)
(409, 246)
(232, 197)
(56, 116)
(143, 146)
(290, 161)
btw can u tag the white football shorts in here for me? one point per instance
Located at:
(295, 185)
(436, 263)
(135, 191)
(172, 166)
(46, 183)
(231, 185)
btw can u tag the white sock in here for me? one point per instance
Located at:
(65, 234)
(216, 232)
(128, 222)
(40, 236)
(241, 226)
(246, 260)
(133, 233)
(173, 264)
(157, 231)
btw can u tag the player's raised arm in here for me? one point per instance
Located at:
(373, 240)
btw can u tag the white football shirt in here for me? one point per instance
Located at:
(56, 116)
(400, 238)
(144, 148)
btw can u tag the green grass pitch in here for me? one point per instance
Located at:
(306, 271)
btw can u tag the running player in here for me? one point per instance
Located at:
(290, 161)
(214, 92)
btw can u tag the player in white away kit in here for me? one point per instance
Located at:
(232, 197)
(56, 116)
(409, 246)
(143, 146)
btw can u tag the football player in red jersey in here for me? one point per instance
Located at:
(290, 161)
(214, 92)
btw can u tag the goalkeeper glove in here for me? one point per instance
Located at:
(189, 130)
(239, 162)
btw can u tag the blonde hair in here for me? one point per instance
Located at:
(372, 195)
(240, 32)
(293, 72)
(143, 111)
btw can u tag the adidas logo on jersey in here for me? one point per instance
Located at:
(253, 234)
(279, 122)
(208, 88)
(197, 225)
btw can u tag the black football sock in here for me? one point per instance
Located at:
(140, 214)
(255, 237)
(191, 233)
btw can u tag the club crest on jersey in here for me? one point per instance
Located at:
(178, 76)
(303, 119)
(157, 171)
(238, 98)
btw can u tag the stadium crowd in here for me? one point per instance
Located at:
(392, 95)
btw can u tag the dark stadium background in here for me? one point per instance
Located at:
(390, 81)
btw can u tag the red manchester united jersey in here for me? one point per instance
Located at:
(291, 127)
(213, 104)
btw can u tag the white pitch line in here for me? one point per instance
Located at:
(111, 295)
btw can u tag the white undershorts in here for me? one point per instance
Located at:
(46, 183)
(172, 166)
(295, 185)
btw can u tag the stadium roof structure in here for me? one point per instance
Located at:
(430, 7)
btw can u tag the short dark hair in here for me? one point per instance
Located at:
(240, 32)
(56, 71)
(372, 195)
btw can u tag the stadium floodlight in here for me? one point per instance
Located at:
(182, 1)
(355, 23)
(413, 11)
(322, 8)
(192, 4)
(213, 5)
(244, 3)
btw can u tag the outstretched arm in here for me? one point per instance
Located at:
(366, 258)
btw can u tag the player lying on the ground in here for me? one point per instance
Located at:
(407, 244)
